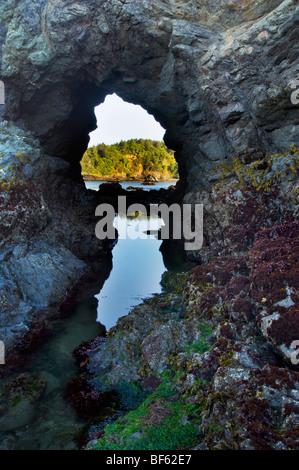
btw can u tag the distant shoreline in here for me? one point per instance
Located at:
(115, 179)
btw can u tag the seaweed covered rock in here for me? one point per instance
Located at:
(18, 401)
(221, 338)
(252, 409)
(251, 192)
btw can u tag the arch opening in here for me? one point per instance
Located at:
(63, 117)
(127, 145)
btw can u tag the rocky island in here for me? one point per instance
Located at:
(133, 160)
(212, 362)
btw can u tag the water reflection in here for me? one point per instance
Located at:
(133, 184)
(137, 267)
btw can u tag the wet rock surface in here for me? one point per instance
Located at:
(208, 365)
(18, 401)
(110, 192)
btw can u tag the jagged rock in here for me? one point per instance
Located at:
(18, 401)
(46, 232)
(218, 77)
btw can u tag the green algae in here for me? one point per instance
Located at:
(262, 174)
(166, 419)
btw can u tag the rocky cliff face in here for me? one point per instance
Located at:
(217, 76)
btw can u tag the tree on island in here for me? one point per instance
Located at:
(133, 158)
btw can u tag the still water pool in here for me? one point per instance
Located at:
(137, 269)
(137, 263)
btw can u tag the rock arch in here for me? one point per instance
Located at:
(216, 77)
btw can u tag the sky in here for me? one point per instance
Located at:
(118, 120)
